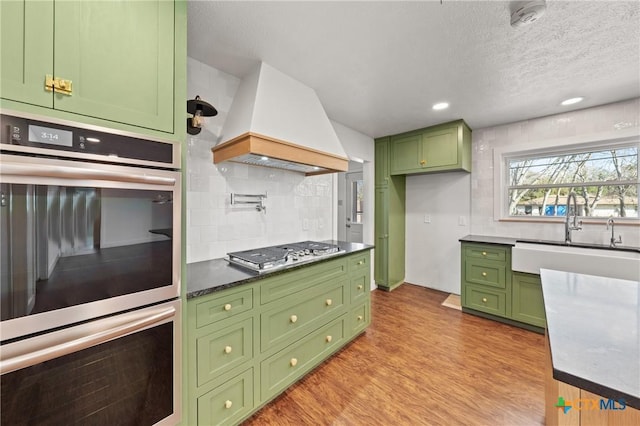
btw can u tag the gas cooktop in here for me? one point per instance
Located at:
(268, 259)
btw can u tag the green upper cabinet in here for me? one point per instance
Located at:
(445, 147)
(125, 61)
(119, 56)
(26, 29)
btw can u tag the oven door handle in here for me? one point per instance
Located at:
(66, 172)
(36, 357)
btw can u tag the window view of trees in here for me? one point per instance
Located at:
(605, 181)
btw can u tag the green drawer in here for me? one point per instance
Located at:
(224, 349)
(359, 262)
(285, 367)
(360, 318)
(359, 287)
(492, 302)
(296, 315)
(210, 309)
(487, 252)
(493, 274)
(228, 403)
(275, 288)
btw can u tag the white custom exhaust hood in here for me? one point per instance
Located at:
(276, 121)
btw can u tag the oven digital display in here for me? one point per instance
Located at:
(50, 136)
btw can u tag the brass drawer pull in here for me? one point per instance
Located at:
(293, 318)
(484, 253)
(227, 307)
(360, 318)
(359, 287)
(228, 404)
(484, 274)
(329, 302)
(484, 300)
(423, 162)
(293, 362)
(227, 349)
(329, 339)
(361, 262)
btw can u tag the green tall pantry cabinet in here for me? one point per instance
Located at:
(117, 64)
(441, 148)
(389, 220)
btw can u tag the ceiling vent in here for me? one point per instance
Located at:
(527, 12)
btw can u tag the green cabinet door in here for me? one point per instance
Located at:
(382, 162)
(119, 55)
(26, 43)
(439, 149)
(381, 261)
(406, 153)
(445, 147)
(527, 303)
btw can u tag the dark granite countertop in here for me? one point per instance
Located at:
(507, 241)
(213, 275)
(593, 326)
(486, 239)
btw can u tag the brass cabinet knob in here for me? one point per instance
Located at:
(227, 349)
(329, 302)
(484, 274)
(329, 339)
(359, 287)
(484, 300)
(293, 362)
(360, 318)
(361, 262)
(228, 404)
(227, 307)
(423, 162)
(484, 253)
(293, 318)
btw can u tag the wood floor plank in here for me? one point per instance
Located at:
(421, 363)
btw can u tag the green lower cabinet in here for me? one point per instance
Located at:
(486, 300)
(247, 344)
(489, 286)
(229, 403)
(284, 368)
(527, 304)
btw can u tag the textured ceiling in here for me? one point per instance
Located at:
(378, 67)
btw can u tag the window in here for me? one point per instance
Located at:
(604, 178)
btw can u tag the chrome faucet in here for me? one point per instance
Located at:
(575, 226)
(613, 241)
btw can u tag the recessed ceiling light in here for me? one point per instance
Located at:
(572, 101)
(440, 105)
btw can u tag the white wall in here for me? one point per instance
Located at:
(360, 147)
(575, 125)
(432, 249)
(298, 207)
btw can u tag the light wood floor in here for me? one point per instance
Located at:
(421, 363)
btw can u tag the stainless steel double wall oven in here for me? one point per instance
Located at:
(90, 275)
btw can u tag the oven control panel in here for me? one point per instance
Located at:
(61, 139)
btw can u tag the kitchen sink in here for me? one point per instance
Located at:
(531, 257)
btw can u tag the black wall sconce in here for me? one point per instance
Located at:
(199, 109)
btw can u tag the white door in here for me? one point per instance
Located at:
(354, 206)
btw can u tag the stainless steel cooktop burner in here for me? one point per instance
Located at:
(267, 259)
